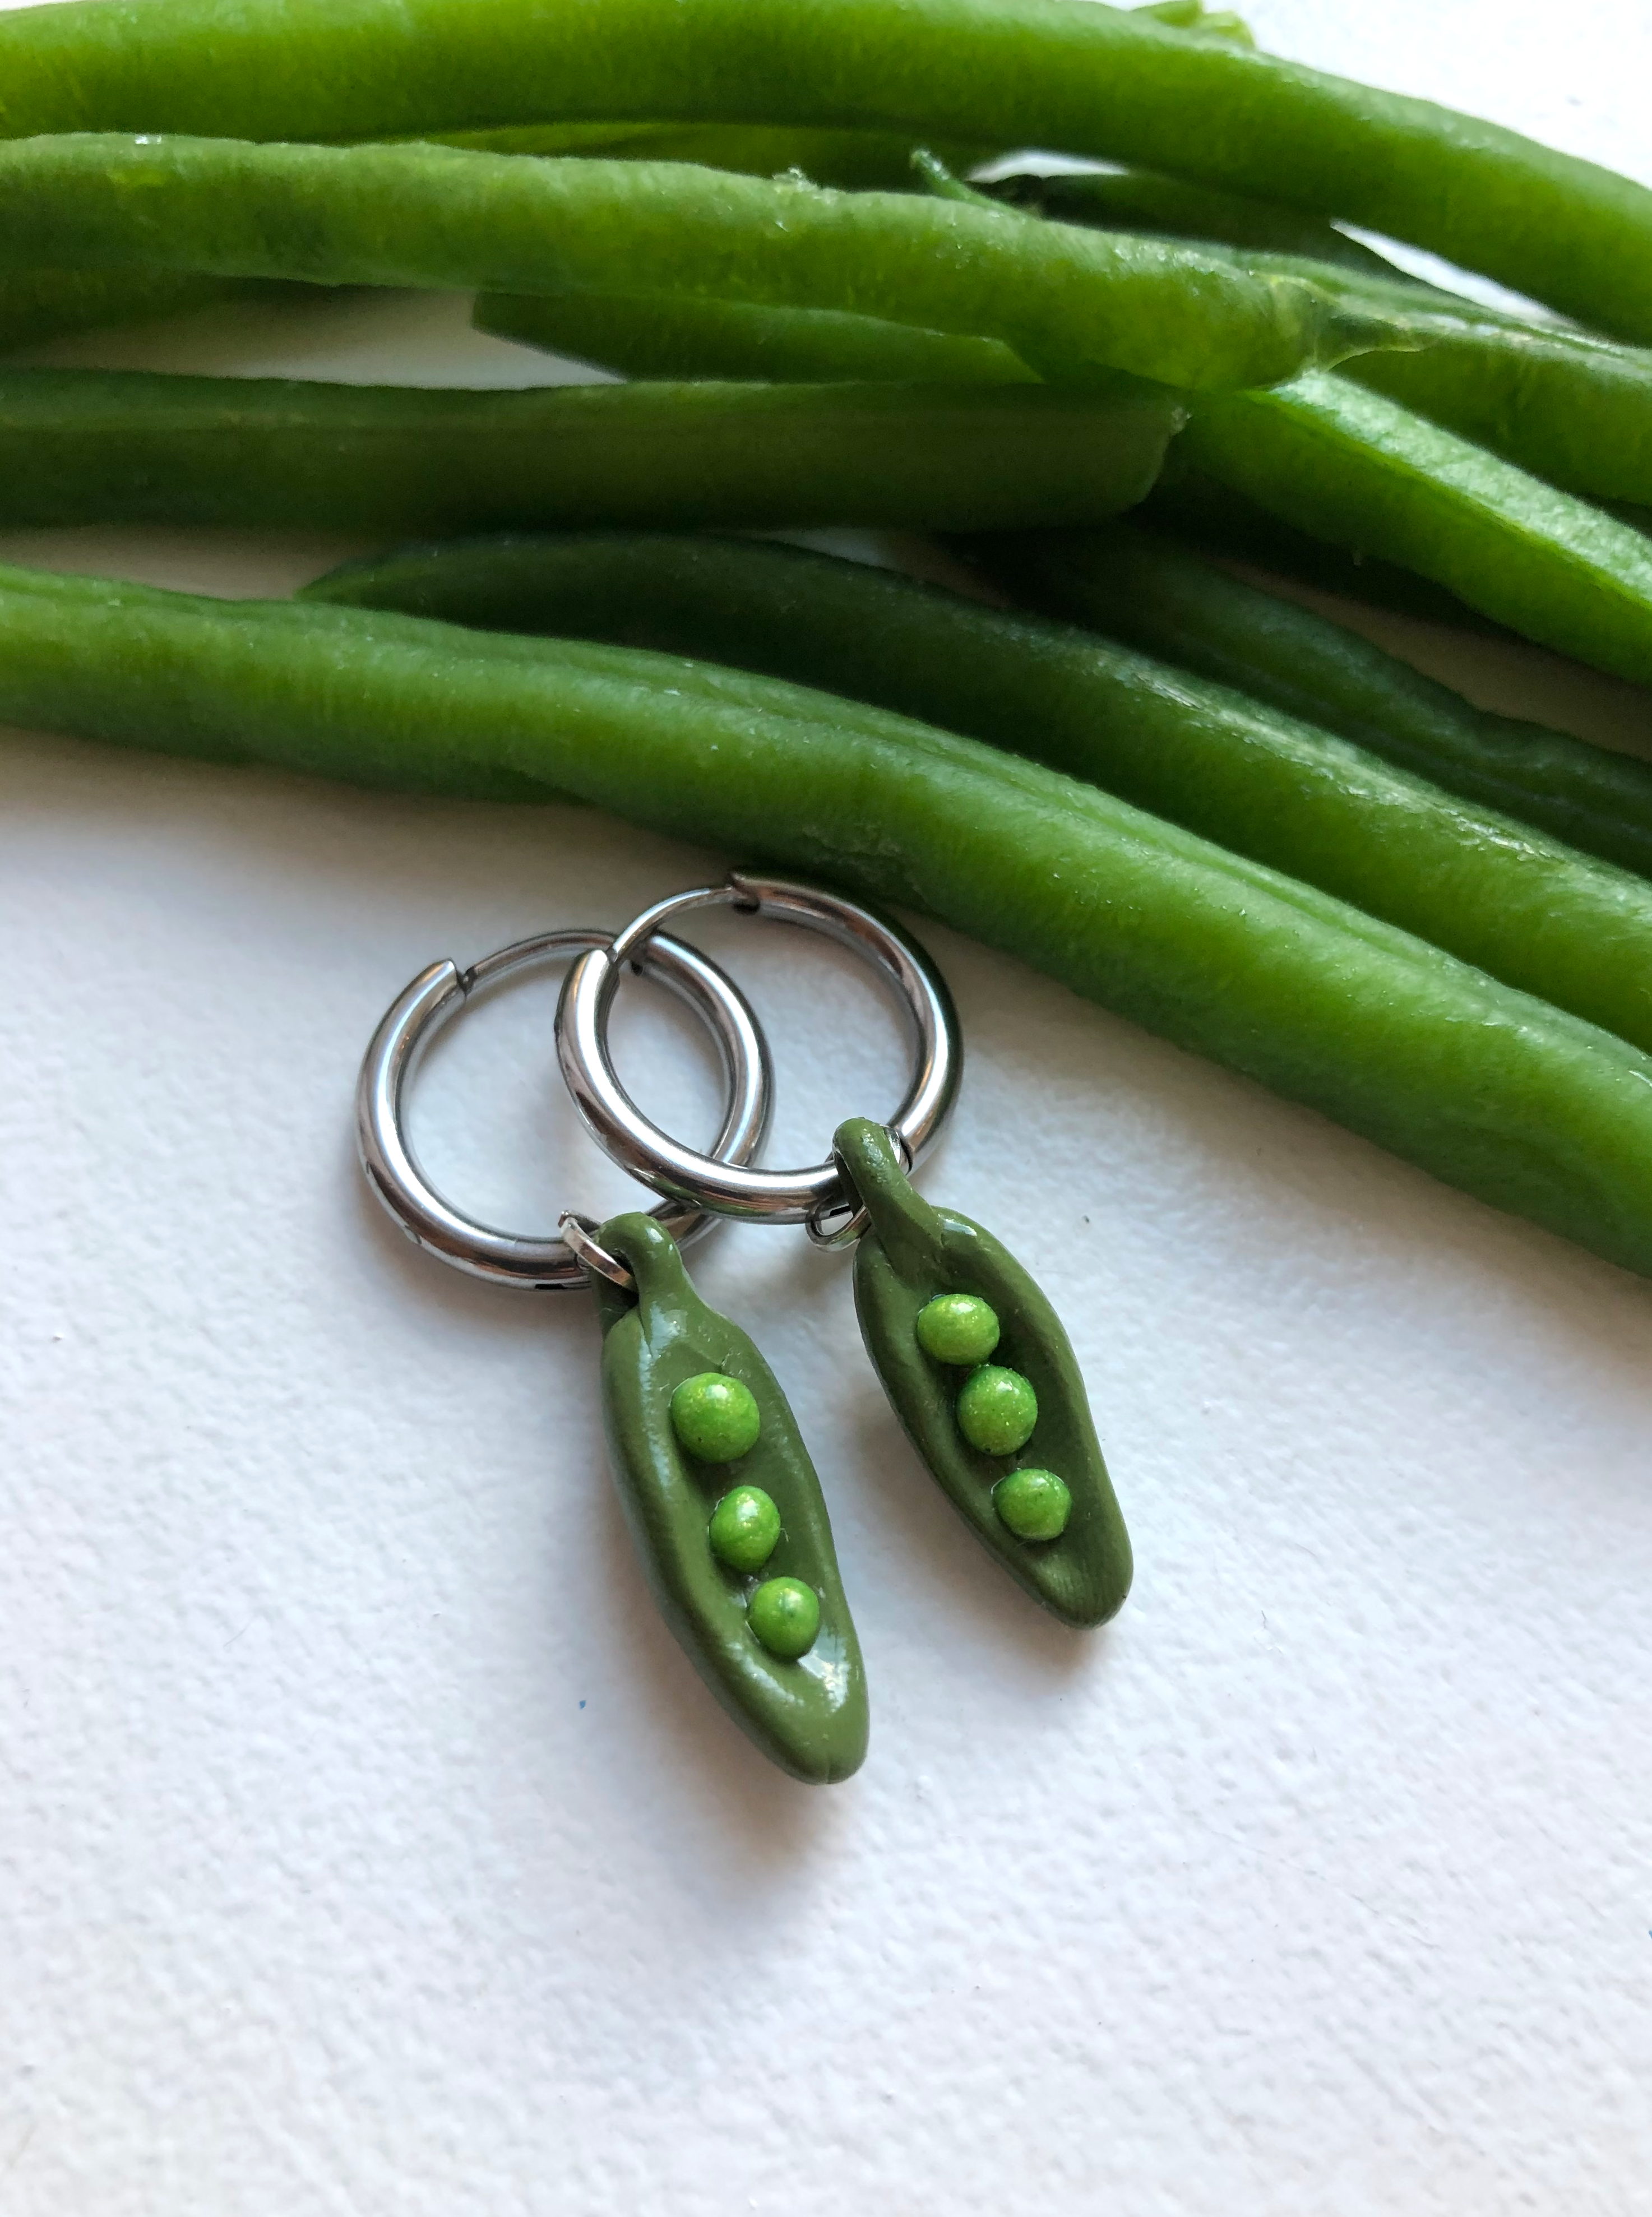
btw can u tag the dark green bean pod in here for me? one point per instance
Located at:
(43, 303)
(444, 217)
(910, 1253)
(1171, 208)
(1137, 585)
(1475, 880)
(127, 447)
(879, 161)
(678, 335)
(1352, 466)
(808, 1715)
(1090, 81)
(1220, 520)
(1489, 1089)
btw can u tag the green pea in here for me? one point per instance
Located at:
(716, 1418)
(958, 1328)
(997, 1410)
(785, 1615)
(1035, 1504)
(745, 1528)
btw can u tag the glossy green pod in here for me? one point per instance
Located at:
(911, 1253)
(809, 1716)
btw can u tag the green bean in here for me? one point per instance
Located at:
(1569, 407)
(1221, 520)
(1091, 80)
(1143, 201)
(43, 303)
(439, 216)
(678, 335)
(737, 691)
(102, 446)
(647, 334)
(854, 161)
(1487, 1088)
(40, 304)
(687, 335)
(1138, 586)
(669, 334)
(1254, 235)
(1519, 904)
(37, 305)
(1352, 467)
(1573, 410)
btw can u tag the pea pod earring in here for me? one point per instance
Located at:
(718, 1489)
(983, 1378)
(972, 1355)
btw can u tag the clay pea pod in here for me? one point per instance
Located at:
(726, 1511)
(983, 1378)
(969, 1352)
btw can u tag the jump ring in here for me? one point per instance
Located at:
(580, 1233)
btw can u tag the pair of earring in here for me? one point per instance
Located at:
(719, 1489)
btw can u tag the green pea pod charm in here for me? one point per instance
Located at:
(726, 1512)
(1009, 1439)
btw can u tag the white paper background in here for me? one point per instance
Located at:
(368, 1847)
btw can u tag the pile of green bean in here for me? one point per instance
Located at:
(1181, 793)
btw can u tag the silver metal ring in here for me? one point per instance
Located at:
(437, 995)
(580, 1233)
(725, 1186)
(842, 1203)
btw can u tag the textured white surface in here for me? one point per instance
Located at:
(367, 1846)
